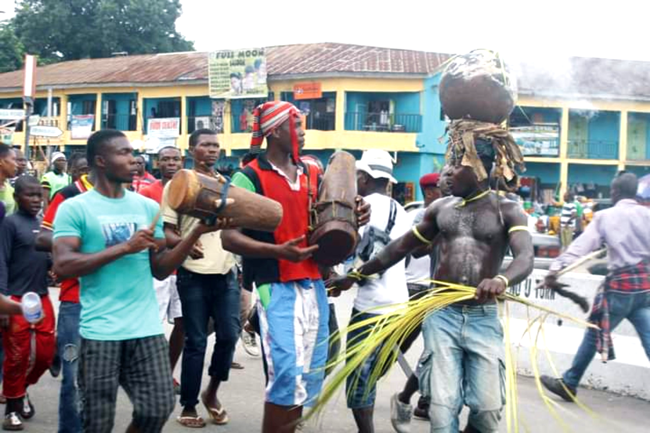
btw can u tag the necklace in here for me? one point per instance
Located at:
(475, 198)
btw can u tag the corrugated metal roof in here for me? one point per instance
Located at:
(283, 60)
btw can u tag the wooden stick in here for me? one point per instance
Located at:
(152, 227)
(582, 261)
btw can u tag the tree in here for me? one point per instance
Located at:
(58, 30)
(11, 50)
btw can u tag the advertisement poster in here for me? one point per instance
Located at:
(164, 128)
(307, 91)
(218, 108)
(237, 74)
(538, 140)
(81, 126)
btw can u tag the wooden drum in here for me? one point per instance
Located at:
(333, 217)
(197, 195)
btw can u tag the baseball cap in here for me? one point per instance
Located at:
(377, 163)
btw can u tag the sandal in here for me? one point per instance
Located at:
(191, 421)
(218, 415)
(236, 366)
(12, 422)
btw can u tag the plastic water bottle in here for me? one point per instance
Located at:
(32, 307)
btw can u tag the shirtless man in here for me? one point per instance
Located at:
(464, 342)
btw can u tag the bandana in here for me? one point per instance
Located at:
(270, 116)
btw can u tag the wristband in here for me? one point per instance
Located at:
(504, 279)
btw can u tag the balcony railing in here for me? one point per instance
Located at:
(321, 121)
(383, 122)
(119, 121)
(593, 149)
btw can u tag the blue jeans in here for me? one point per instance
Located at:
(68, 348)
(205, 296)
(633, 307)
(463, 364)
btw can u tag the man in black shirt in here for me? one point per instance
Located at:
(22, 270)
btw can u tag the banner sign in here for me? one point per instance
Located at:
(164, 128)
(81, 126)
(307, 91)
(237, 74)
(538, 140)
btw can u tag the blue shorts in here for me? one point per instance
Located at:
(294, 332)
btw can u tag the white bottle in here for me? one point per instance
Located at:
(32, 307)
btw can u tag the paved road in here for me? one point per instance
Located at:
(243, 398)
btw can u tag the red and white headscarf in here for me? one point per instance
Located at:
(270, 116)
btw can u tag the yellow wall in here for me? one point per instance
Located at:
(314, 139)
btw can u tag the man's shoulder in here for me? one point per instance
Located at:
(70, 191)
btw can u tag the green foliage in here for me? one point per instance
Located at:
(11, 49)
(58, 30)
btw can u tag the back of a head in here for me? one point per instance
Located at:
(4, 150)
(625, 185)
(98, 140)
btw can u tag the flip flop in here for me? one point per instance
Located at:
(218, 415)
(191, 421)
(236, 366)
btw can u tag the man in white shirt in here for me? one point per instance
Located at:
(374, 172)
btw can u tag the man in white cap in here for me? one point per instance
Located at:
(56, 179)
(388, 221)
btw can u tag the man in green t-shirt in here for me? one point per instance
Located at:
(56, 179)
(8, 170)
(113, 240)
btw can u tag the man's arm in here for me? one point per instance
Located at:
(70, 263)
(589, 241)
(6, 241)
(521, 245)
(238, 243)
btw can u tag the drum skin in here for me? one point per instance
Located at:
(197, 195)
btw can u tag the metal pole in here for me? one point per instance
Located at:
(28, 112)
(49, 103)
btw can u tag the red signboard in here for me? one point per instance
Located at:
(307, 91)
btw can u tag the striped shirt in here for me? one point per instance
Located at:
(568, 215)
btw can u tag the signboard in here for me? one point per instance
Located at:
(164, 128)
(81, 126)
(29, 83)
(307, 91)
(6, 136)
(11, 114)
(46, 131)
(237, 74)
(538, 140)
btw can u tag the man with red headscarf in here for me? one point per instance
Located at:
(292, 304)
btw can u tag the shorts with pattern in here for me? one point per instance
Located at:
(141, 367)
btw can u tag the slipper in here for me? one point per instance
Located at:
(218, 415)
(12, 422)
(236, 366)
(28, 411)
(191, 421)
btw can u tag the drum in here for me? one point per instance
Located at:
(478, 86)
(333, 217)
(197, 195)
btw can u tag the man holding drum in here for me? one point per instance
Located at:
(292, 305)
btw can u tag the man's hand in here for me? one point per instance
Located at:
(197, 251)
(550, 280)
(362, 210)
(292, 252)
(219, 224)
(490, 288)
(339, 283)
(140, 241)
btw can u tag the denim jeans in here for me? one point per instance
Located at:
(633, 307)
(205, 296)
(68, 348)
(463, 364)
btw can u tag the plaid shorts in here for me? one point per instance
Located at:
(141, 366)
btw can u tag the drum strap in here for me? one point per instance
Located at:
(224, 195)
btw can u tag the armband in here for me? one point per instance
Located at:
(418, 235)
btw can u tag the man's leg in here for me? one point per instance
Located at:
(224, 306)
(17, 343)
(484, 378)
(334, 337)
(195, 318)
(640, 318)
(45, 343)
(99, 372)
(175, 313)
(441, 368)
(280, 419)
(360, 391)
(619, 308)
(146, 380)
(68, 342)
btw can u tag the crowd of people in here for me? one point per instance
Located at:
(126, 262)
